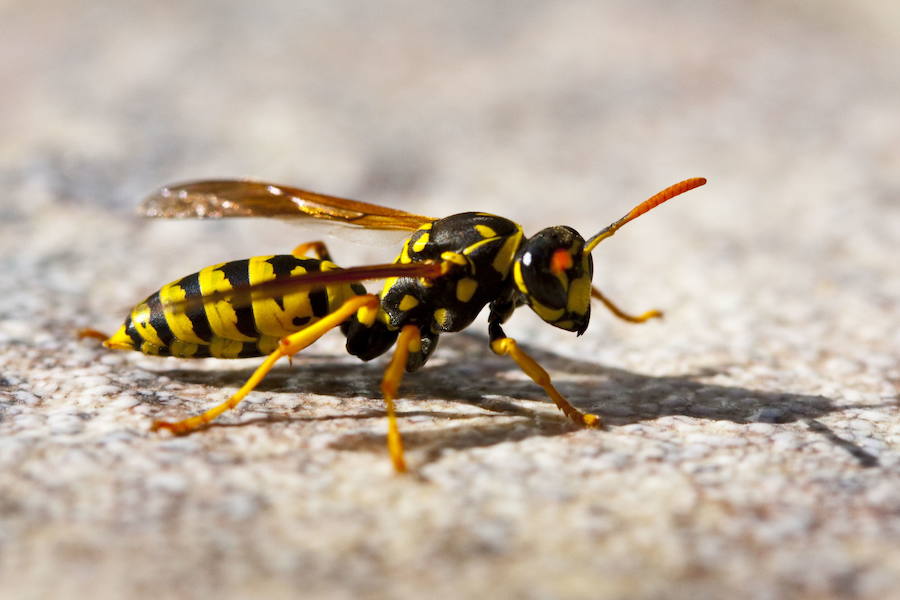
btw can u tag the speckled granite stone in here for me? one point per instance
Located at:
(752, 447)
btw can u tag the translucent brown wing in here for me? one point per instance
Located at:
(245, 294)
(216, 199)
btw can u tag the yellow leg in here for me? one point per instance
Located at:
(650, 314)
(408, 341)
(288, 346)
(318, 248)
(509, 347)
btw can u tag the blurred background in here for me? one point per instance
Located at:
(780, 275)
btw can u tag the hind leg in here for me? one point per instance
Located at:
(318, 248)
(91, 333)
(288, 346)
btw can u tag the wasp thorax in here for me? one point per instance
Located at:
(553, 274)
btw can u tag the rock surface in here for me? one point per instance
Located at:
(752, 446)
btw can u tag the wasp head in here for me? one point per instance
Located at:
(553, 273)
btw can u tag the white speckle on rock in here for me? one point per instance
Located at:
(65, 424)
(28, 421)
(786, 440)
(256, 399)
(320, 441)
(761, 428)
(853, 396)
(861, 427)
(123, 401)
(239, 506)
(178, 444)
(170, 483)
(874, 416)
(26, 398)
(715, 440)
(250, 415)
(89, 382)
(872, 445)
(694, 451)
(101, 391)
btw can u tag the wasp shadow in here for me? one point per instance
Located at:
(468, 372)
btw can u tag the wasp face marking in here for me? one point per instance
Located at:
(553, 274)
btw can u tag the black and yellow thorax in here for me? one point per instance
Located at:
(481, 246)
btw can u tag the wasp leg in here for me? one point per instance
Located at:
(503, 345)
(408, 341)
(288, 346)
(318, 248)
(650, 314)
(91, 333)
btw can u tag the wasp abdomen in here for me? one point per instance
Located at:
(236, 327)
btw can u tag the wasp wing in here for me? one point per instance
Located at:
(220, 198)
(244, 295)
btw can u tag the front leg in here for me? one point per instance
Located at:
(503, 345)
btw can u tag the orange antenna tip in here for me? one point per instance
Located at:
(645, 206)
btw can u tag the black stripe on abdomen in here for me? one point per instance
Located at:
(238, 275)
(133, 333)
(249, 350)
(158, 320)
(318, 302)
(283, 266)
(194, 308)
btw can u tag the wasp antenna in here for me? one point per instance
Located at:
(645, 206)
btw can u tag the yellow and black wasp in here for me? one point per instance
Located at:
(448, 270)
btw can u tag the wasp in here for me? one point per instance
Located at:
(447, 271)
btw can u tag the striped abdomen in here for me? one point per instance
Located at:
(219, 329)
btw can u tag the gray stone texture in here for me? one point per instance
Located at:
(752, 447)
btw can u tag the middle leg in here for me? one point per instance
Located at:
(408, 342)
(650, 314)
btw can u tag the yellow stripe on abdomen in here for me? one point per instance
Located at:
(140, 316)
(179, 322)
(220, 314)
(281, 316)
